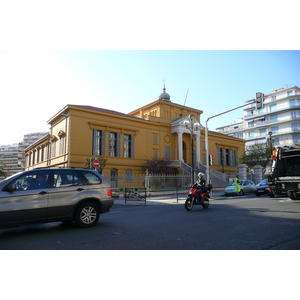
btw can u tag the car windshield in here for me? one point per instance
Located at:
(264, 182)
(2, 182)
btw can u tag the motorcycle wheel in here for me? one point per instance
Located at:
(188, 204)
(205, 205)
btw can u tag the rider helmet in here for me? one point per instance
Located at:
(200, 174)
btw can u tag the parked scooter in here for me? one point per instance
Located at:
(192, 200)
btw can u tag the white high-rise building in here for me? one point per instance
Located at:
(12, 157)
(278, 119)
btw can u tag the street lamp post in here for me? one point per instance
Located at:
(206, 134)
(192, 125)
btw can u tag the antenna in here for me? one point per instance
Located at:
(186, 96)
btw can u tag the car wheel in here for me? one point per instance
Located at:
(87, 215)
(205, 205)
(242, 193)
(188, 204)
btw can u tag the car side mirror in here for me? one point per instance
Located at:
(10, 188)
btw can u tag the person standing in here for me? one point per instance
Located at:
(238, 184)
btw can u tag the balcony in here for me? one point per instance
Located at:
(266, 110)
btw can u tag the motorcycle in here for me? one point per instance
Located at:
(192, 200)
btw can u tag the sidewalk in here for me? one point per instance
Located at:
(163, 199)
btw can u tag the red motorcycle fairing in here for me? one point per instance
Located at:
(192, 200)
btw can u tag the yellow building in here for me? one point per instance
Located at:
(156, 130)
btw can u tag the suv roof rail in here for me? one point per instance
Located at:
(52, 167)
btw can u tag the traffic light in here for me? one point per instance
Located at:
(210, 160)
(259, 98)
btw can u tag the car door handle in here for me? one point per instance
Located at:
(79, 189)
(43, 193)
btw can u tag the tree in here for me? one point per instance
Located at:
(2, 172)
(102, 160)
(257, 154)
(159, 166)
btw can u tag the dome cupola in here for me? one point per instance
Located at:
(164, 96)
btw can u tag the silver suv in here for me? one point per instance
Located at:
(49, 195)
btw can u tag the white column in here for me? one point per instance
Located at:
(180, 156)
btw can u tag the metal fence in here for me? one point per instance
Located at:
(150, 182)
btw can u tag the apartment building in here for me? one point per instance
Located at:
(277, 120)
(12, 156)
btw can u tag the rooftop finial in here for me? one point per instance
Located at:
(164, 96)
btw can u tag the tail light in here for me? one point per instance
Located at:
(109, 192)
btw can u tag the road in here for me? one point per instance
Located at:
(236, 223)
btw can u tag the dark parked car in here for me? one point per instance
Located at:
(48, 195)
(262, 188)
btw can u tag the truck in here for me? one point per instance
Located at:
(285, 175)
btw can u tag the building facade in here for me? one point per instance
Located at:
(156, 130)
(12, 156)
(278, 121)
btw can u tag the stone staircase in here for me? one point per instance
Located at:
(217, 178)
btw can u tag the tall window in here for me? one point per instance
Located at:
(113, 146)
(263, 131)
(227, 151)
(295, 114)
(294, 103)
(272, 107)
(46, 152)
(234, 158)
(295, 126)
(98, 142)
(33, 157)
(38, 155)
(62, 145)
(167, 153)
(220, 156)
(53, 149)
(274, 129)
(296, 138)
(42, 154)
(128, 146)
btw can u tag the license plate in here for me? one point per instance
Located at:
(260, 191)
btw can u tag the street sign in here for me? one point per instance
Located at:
(96, 163)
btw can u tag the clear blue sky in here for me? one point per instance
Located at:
(37, 84)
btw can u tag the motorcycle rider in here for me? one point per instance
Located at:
(200, 185)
